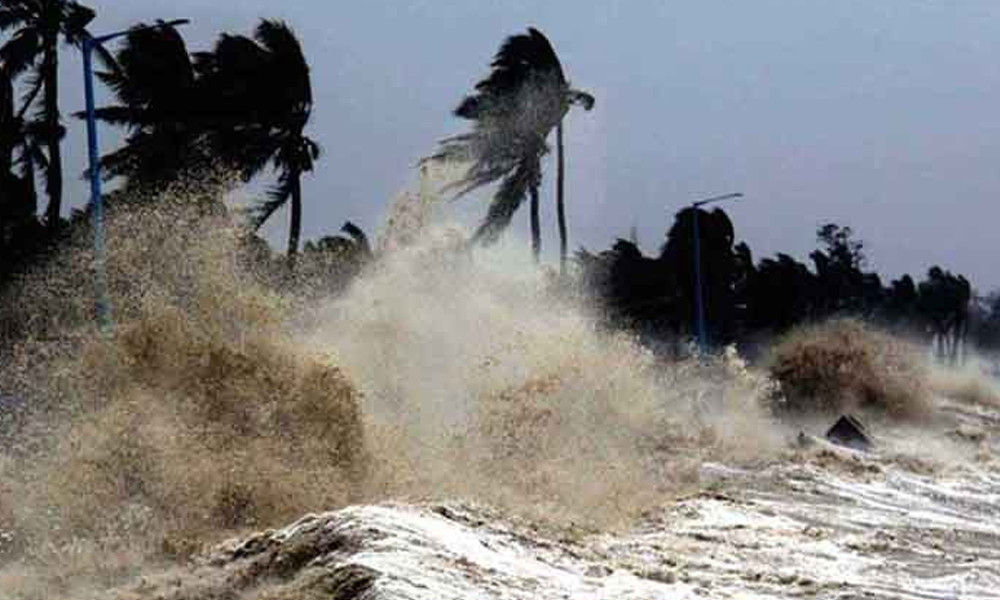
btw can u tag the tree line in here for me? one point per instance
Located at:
(243, 107)
(749, 301)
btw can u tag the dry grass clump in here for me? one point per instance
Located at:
(844, 365)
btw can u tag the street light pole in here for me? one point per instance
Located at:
(90, 43)
(700, 318)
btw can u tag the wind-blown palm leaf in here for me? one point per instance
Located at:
(75, 19)
(513, 111)
(20, 53)
(35, 85)
(523, 62)
(290, 167)
(260, 89)
(152, 68)
(159, 102)
(360, 239)
(13, 14)
(508, 199)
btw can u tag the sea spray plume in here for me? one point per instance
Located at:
(220, 405)
(198, 417)
(513, 110)
(971, 384)
(480, 382)
(845, 365)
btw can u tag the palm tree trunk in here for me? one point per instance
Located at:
(536, 226)
(295, 229)
(8, 139)
(560, 197)
(29, 178)
(54, 182)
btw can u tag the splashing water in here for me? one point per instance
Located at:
(223, 402)
(219, 404)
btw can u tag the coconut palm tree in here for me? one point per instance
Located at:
(20, 148)
(260, 93)
(513, 110)
(154, 83)
(21, 235)
(37, 27)
(9, 126)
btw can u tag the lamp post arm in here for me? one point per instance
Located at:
(97, 40)
(717, 199)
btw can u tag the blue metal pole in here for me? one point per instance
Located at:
(103, 303)
(96, 200)
(700, 317)
(698, 294)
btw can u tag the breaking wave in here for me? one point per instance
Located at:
(223, 401)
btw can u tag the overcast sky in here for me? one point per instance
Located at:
(883, 115)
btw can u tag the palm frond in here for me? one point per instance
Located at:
(491, 160)
(359, 237)
(35, 85)
(150, 67)
(21, 51)
(514, 108)
(14, 14)
(121, 116)
(106, 59)
(278, 196)
(523, 60)
(292, 69)
(74, 20)
(33, 152)
(507, 200)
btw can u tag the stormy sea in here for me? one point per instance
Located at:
(458, 424)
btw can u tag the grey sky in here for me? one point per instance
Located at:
(880, 115)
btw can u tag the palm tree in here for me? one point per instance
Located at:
(20, 146)
(513, 109)
(154, 83)
(37, 27)
(9, 128)
(262, 101)
(20, 235)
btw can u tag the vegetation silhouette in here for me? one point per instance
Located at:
(749, 301)
(35, 28)
(260, 94)
(23, 237)
(193, 349)
(245, 105)
(160, 105)
(513, 110)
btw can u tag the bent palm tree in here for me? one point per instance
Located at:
(155, 86)
(263, 100)
(20, 146)
(524, 97)
(38, 26)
